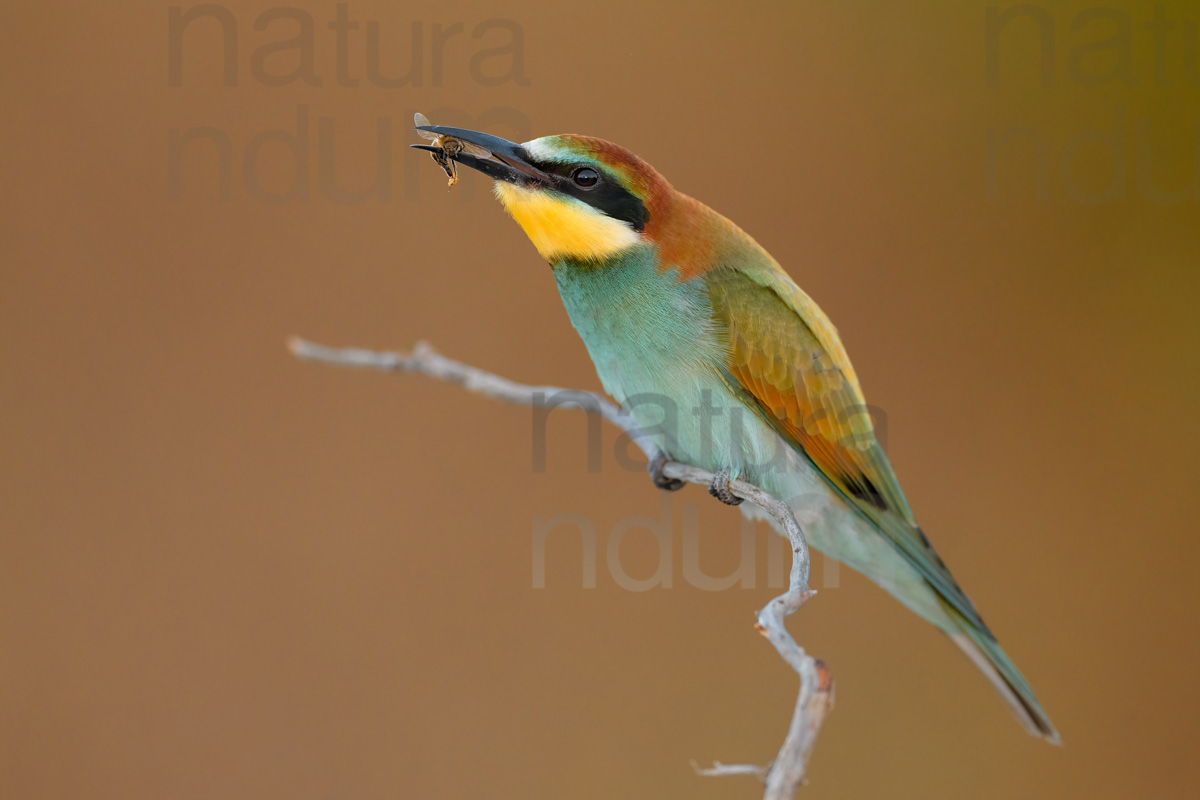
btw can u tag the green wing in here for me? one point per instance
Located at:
(787, 359)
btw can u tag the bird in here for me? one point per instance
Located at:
(726, 364)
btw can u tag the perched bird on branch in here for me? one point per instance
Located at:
(726, 363)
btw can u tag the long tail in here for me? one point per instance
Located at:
(985, 652)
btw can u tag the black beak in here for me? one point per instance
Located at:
(509, 161)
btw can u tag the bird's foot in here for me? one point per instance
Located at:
(719, 488)
(655, 468)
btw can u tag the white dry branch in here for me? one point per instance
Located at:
(786, 773)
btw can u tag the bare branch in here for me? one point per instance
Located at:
(718, 769)
(786, 773)
(427, 361)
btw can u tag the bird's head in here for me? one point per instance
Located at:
(576, 197)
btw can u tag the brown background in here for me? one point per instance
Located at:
(229, 575)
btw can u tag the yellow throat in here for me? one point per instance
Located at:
(562, 226)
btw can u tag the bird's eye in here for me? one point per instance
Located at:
(585, 177)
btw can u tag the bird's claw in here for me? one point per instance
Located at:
(719, 488)
(655, 468)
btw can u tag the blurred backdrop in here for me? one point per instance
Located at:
(225, 574)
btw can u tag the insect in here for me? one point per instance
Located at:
(447, 148)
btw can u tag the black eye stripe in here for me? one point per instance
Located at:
(606, 194)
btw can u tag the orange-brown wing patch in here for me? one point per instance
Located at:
(786, 356)
(801, 386)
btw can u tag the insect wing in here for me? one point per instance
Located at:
(421, 121)
(475, 150)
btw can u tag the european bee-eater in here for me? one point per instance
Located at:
(727, 363)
